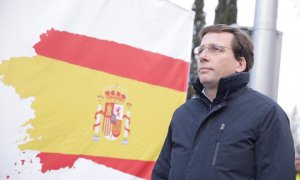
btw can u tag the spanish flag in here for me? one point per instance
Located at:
(104, 100)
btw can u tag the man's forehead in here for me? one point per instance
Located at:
(219, 38)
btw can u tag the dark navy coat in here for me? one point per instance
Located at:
(241, 135)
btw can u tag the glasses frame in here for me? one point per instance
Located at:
(212, 48)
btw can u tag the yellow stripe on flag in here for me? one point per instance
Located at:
(65, 114)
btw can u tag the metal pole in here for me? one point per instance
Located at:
(266, 46)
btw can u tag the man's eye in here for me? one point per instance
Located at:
(201, 50)
(216, 48)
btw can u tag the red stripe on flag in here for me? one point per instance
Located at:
(55, 161)
(114, 58)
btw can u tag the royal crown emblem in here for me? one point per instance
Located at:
(112, 112)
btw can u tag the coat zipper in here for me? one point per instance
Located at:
(218, 144)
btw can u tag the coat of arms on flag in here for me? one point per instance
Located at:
(113, 114)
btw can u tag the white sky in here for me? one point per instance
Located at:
(288, 22)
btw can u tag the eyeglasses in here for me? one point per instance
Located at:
(212, 48)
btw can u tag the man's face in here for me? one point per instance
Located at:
(214, 64)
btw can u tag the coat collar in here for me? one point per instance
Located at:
(227, 85)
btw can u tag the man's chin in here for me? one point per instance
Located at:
(206, 81)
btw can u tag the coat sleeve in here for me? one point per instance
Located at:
(274, 149)
(162, 165)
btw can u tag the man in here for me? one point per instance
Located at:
(228, 131)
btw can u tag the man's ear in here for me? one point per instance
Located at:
(241, 64)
